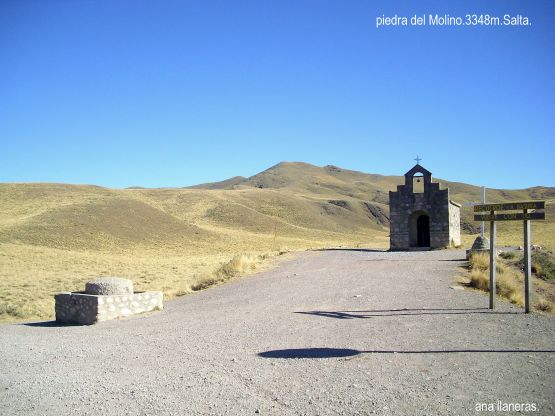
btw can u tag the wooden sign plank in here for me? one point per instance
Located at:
(517, 216)
(510, 206)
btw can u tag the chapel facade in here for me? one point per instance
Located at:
(422, 215)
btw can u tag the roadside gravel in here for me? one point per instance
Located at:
(325, 333)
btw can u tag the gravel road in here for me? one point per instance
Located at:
(333, 332)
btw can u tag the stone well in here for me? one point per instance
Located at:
(480, 245)
(105, 299)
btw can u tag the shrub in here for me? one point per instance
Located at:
(12, 310)
(204, 284)
(546, 264)
(507, 255)
(536, 268)
(507, 286)
(479, 280)
(237, 265)
(544, 305)
(479, 261)
(543, 264)
(508, 282)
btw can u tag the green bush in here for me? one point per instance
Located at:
(543, 264)
(508, 255)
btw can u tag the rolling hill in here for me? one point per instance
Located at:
(53, 237)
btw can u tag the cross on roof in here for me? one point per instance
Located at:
(418, 159)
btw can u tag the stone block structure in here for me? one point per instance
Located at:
(423, 218)
(105, 299)
(109, 286)
(480, 245)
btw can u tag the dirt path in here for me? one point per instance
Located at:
(333, 332)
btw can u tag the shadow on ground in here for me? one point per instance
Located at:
(402, 312)
(366, 250)
(48, 324)
(346, 352)
(457, 260)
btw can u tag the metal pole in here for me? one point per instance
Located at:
(527, 265)
(492, 258)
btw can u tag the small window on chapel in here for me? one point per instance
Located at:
(418, 184)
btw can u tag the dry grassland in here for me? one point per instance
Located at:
(55, 237)
(509, 283)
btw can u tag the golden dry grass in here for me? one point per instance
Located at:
(509, 282)
(55, 237)
(31, 275)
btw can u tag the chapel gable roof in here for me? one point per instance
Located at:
(418, 169)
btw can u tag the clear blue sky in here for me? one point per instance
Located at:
(173, 93)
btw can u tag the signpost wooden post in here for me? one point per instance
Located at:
(524, 216)
(492, 266)
(527, 265)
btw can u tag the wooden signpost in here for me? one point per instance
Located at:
(510, 217)
(524, 216)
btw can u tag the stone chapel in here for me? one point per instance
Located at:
(422, 215)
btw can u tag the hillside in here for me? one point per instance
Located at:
(343, 186)
(53, 237)
(225, 184)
